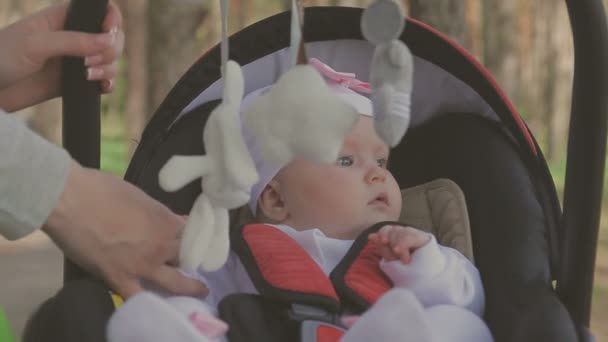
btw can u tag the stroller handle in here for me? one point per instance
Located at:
(586, 158)
(81, 100)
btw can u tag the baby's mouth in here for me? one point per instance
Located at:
(380, 199)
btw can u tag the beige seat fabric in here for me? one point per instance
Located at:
(439, 207)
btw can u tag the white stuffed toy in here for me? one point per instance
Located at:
(299, 117)
(147, 317)
(227, 173)
(392, 68)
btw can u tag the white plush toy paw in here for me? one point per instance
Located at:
(147, 317)
(397, 316)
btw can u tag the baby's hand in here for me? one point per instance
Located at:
(398, 242)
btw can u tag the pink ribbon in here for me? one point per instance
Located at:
(208, 325)
(346, 79)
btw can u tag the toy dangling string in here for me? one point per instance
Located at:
(297, 49)
(225, 10)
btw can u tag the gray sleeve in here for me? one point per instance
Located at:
(33, 174)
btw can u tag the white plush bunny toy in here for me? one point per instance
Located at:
(227, 174)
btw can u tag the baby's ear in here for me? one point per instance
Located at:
(271, 204)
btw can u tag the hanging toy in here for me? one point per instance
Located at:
(227, 174)
(392, 68)
(299, 117)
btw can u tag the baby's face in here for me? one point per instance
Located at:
(345, 198)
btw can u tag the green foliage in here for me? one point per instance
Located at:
(558, 171)
(6, 333)
(114, 146)
(114, 155)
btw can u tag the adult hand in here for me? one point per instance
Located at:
(116, 231)
(30, 58)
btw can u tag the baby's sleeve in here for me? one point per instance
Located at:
(439, 275)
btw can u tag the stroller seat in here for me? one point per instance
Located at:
(463, 129)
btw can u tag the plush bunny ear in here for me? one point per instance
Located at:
(181, 170)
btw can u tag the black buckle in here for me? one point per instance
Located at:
(311, 318)
(310, 330)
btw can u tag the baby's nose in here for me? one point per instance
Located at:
(375, 174)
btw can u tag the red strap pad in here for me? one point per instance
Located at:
(329, 334)
(365, 277)
(284, 264)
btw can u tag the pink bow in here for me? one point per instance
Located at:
(208, 325)
(346, 79)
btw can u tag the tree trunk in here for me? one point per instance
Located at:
(563, 48)
(348, 3)
(474, 18)
(173, 47)
(136, 13)
(6, 11)
(241, 10)
(540, 77)
(448, 16)
(501, 44)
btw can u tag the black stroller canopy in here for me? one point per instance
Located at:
(463, 128)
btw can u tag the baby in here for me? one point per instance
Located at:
(437, 293)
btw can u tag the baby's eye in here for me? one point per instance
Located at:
(345, 161)
(382, 162)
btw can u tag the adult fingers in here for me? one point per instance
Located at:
(109, 55)
(113, 18)
(173, 281)
(66, 43)
(174, 253)
(107, 86)
(127, 288)
(106, 72)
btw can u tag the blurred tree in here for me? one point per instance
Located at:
(448, 16)
(547, 60)
(562, 40)
(348, 3)
(241, 10)
(500, 35)
(136, 14)
(173, 44)
(5, 12)
(475, 23)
